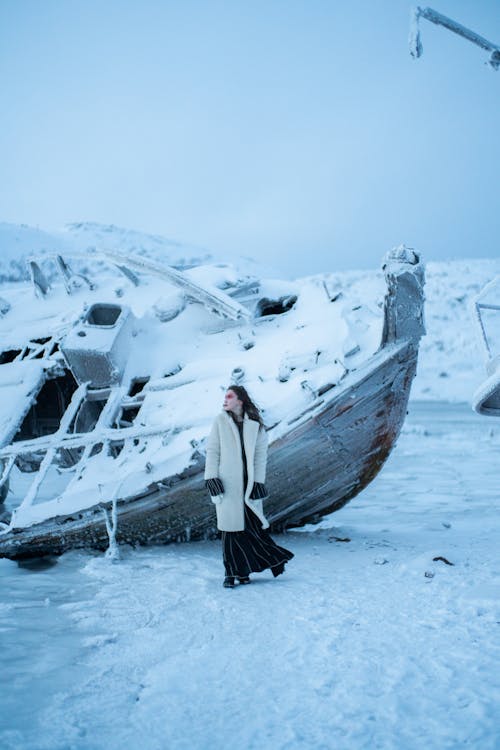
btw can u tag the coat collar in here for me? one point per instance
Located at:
(248, 427)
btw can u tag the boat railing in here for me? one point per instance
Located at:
(487, 312)
(129, 265)
(49, 446)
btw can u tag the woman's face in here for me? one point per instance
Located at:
(232, 402)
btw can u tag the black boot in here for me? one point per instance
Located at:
(228, 582)
(244, 579)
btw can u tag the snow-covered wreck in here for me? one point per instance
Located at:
(486, 399)
(109, 386)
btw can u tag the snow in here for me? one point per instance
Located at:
(366, 641)
(451, 357)
(18, 383)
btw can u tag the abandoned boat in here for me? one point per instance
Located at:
(486, 399)
(110, 384)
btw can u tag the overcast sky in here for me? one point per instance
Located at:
(299, 133)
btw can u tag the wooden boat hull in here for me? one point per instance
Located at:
(316, 468)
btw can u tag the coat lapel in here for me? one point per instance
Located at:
(250, 429)
(233, 428)
(249, 434)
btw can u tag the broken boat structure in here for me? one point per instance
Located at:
(486, 399)
(110, 385)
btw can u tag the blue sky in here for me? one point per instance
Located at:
(299, 133)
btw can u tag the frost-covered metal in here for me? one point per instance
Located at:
(96, 349)
(415, 42)
(486, 309)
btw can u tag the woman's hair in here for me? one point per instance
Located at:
(248, 405)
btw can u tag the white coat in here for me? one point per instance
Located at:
(224, 460)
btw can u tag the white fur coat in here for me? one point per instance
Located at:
(224, 460)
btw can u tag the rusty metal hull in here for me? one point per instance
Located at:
(335, 450)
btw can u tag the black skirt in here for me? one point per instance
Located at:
(252, 550)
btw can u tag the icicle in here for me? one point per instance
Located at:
(113, 552)
(416, 48)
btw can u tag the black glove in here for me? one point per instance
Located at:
(258, 491)
(214, 486)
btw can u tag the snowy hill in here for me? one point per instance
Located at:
(19, 241)
(451, 362)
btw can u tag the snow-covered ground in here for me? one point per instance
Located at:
(365, 642)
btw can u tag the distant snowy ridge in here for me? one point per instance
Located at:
(19, 241)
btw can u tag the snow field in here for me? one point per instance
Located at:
(366, 643)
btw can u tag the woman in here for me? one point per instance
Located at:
(235, 472)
